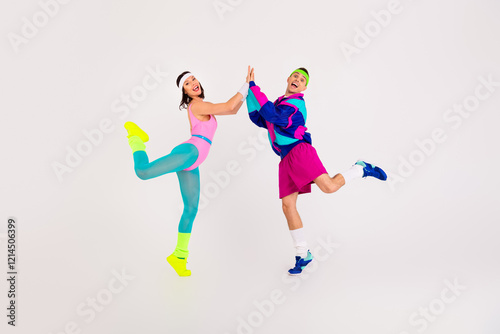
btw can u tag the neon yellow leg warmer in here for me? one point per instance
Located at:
(181, 251)
(136, 144)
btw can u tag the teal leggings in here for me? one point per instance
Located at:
(181, 157)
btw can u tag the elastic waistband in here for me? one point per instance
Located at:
(204, 138)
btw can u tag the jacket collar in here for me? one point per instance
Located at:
(293, 96)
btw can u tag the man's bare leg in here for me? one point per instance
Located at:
(289, 204)
(329, 184)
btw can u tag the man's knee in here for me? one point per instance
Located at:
(328, 186)
(288, 206)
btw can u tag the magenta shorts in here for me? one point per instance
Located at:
(298, 169)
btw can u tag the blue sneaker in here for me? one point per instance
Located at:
(300, 264)
(372, 170)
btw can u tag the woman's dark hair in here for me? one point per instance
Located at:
(185, 98)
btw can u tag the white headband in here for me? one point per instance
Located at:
(183, 79)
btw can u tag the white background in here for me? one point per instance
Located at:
(398, 242)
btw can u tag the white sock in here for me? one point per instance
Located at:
(355, 172)
(299, 241)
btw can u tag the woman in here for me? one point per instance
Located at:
(186, 157)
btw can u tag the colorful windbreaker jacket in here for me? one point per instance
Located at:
(285, 119)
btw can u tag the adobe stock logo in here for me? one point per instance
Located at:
(454, 117)
(264, 309)
(372, 29)
(122, 108)
(224, 6)
(93, 305)
(31, 27)
(420, 320)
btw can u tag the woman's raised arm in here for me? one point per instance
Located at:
(230, 107)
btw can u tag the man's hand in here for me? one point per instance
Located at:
(250, 75)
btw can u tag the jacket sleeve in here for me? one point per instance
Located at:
(254, 107)
(260, 109)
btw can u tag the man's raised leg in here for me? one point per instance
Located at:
(360, 169)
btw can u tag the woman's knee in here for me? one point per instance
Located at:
(142, 174)
(190, 209)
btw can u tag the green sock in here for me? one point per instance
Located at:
(181, 251)
(136, 144)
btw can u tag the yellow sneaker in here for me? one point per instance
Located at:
(179, 265)
(134, 130)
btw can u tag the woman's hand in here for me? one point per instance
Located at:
(250, 75)
(230, 107)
